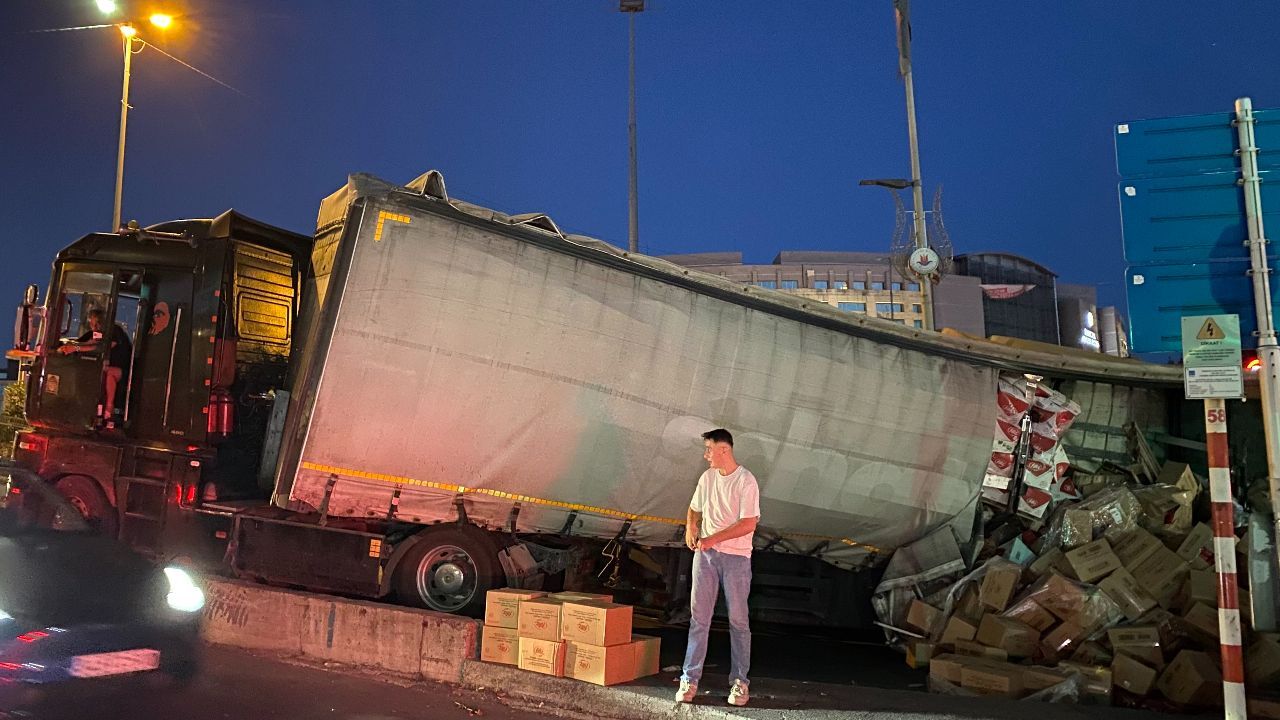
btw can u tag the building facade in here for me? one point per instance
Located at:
(1019, 296)
(857, 282)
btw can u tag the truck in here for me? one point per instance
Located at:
(428, 399)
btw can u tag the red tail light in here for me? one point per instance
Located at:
(191, 494)
(177, 494)
(33, 636)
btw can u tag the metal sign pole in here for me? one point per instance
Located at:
(1268, 351)
(1224, 554)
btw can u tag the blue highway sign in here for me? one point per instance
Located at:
(1193, 218)
(1161, 295)
(1192, 144)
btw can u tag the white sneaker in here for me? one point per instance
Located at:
(738, 694)
(687, 692)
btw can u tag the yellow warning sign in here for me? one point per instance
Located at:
(1210, 330)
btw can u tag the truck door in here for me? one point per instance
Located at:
(69, 388)
(159, 388)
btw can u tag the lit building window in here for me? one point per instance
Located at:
(919, 323)
(819, 284)
(859, 285)
(888, 307)
(896, 286)
(877, 286)
(790, 284)
(913, 287)
(852, 307)
(842, 285)
(917, 307)
(771, 284)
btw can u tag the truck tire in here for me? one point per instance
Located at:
(85, 496)
(449, 569)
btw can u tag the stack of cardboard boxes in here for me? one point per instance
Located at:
(578, 635)
(1125, 617)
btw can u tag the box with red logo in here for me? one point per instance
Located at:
(540, 619)
(500, 645)
(600, 665)
(542, 656)
(502, 607)
(596, 623)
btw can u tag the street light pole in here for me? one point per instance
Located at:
(632, 8)
(918, 227)
(128, 32)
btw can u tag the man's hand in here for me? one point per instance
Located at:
(707, 542)
(67, 349)
(691, 537)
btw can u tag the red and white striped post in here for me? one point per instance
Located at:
(1224, 558)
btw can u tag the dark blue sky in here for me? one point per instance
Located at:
(756, 117)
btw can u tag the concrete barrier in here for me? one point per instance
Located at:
(404, 641)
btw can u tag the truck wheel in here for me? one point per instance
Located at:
(449, 570)
(85, 496)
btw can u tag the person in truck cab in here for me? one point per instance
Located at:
(118, 353)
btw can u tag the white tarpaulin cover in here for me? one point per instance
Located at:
(465, 357)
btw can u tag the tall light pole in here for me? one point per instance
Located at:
(633, 8)
(902, 15)
(129, 32)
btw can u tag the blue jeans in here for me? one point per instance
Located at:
(711, 568)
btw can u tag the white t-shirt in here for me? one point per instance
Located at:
(724, 500)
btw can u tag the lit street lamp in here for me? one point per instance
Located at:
(129, 32)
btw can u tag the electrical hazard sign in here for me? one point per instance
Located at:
(1211, 357)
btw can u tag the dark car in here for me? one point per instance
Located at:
(75, 605)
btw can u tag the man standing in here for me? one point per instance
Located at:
(721, 522)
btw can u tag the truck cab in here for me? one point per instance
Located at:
(208, 310)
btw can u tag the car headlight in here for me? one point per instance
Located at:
(184, 595)
(5, 616)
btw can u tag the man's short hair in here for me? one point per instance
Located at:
(96, 312)
(719, 435)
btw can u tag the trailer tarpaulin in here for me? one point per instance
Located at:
(471, 361)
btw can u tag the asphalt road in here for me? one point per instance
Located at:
(238, 685)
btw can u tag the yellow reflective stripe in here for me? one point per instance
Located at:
(383, 217)
(400, 480)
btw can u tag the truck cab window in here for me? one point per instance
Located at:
(82, 291)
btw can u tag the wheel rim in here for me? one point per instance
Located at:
(446, 578)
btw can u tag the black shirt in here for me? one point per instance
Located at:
(120, 350)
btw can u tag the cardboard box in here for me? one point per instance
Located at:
(579, 596)
(502, 607)
(1064, 639)
(1002, 679)
(946, 667)
(1035, 679)
(969, 648)
(1029, 612)
(1062, 597)
(1202, 587)
(957, 629)
(922, 617)
(1197, 549)
(648, 653)
(1093, 561)
(1262, 663)
(539, 619)
(1132, 676)
(1161, 574)
(919, 653)
(968, 606)
(1046, 562)
(542, 656)
(1135, 546)
(998, 586)
(1092, 652)
(500, 645)
(1125, 592)
(600, 665)
(1203, 621)
(1011, 636)
(1191, 679)
(596, 623)
(1141, 642)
